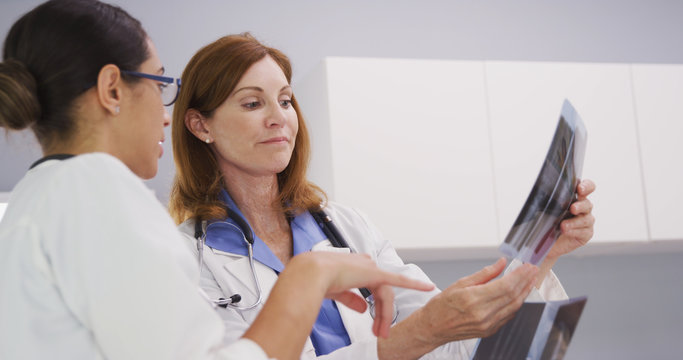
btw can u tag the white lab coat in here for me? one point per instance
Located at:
(225, 274)
(92, 267)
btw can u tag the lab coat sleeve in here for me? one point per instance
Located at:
(123, 270)
(365, 349)
(242, 349)
(550, 290)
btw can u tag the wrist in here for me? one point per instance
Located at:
(409, 339)
(545, 269)
(426, 334)
(313, 269)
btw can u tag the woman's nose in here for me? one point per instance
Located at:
(167, 118)
(276, 116)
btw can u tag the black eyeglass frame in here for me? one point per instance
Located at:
(164, 79)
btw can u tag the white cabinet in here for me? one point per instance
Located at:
(525, 100)
(407, 142)
(443, 154)
(659, 106)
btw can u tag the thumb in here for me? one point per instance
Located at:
(484, 275)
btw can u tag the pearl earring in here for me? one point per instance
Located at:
(208, 141)
(117, 109)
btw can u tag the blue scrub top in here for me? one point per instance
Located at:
(328, 332)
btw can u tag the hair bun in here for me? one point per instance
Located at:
(19, 105)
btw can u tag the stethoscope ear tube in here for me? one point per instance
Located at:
(330, 230)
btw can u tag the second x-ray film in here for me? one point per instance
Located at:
(538, 224)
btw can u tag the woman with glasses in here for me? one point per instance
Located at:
(91, 265)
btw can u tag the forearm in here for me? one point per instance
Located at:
(407, 340)
(285, 322)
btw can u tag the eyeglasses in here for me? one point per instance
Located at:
(170, 87)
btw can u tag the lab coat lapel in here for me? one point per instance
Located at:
(308, 351)
(358, 325)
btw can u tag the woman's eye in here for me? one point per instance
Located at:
(162, 86)
(251, 105)
(285, 103)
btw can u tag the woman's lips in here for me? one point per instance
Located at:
(275, 140)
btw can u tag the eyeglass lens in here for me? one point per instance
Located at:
(169, 93)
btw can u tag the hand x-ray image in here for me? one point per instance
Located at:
(539, 331)
(538, 224)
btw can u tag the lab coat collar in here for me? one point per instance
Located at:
(224, 237)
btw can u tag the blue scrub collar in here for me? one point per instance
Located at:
(221, 236)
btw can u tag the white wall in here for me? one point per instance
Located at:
(533, 30)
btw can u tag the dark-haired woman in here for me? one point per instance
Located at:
(91, 265)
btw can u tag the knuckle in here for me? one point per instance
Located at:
(520, 301)
(508, 287)
(481, 316)
(480, 327)
(472, 302)
(488, 328)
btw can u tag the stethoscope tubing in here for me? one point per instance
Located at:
(232, 301)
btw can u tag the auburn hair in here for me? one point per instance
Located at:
(208, 79)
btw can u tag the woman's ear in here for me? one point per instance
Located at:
(109, 88)
(196, 123)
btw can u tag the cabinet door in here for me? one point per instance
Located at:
(659, 98)
(525, 100)
(409, 145)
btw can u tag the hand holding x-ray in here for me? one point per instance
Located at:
(538, 225)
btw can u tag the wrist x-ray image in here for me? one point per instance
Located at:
(538, 224)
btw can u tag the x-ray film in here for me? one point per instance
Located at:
(538, 224)
(539, 331)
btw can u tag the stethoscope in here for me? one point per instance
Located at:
(200, 228)
(323, 220)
